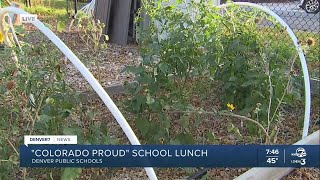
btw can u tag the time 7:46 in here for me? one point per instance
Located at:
(272, 151)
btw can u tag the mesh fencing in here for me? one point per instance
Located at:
(306, 26)
(291, 12)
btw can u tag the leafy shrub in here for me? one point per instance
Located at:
(35, 99)
(185, 51)
(91, 33)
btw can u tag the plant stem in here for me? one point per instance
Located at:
(232, 115)
(260, 131)
(285, 90)
(38, 110)
(270, 99)
(13, 147)
(250, 120)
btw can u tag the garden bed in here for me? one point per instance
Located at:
(210, 129)
(113, 60)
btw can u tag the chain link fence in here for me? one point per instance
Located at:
(306, 25)
(292, 13)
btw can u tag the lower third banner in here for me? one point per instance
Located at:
(170, 156)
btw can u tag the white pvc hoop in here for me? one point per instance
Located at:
(87, 9)
(90, 78)
(301, 56)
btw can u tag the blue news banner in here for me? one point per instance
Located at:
(170, 156)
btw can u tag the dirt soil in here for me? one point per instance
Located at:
(112, 61)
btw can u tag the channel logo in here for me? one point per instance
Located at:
(300, 152)
(47, 139)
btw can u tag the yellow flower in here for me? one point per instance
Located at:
(2, 38)
(311, 41)
(231, 106)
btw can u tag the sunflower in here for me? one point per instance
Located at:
(311, 41)
(2, 38)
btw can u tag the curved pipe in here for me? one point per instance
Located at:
(87, 9)
(90, 78)
(301, 56)
(278, 173)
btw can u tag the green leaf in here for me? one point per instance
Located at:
(236, 130)
(156, 107)
(19, 29)
(71, 173)
(45, 118)
(185, 138)
(143, 125)
(49, 100)
(163, 67)
(233, 78)
(140, 100)
(65, 113)
(61, 26)
(150, 100)
(175, 142)
(72, 131)
(133, 69)
(273, 133)
(251, 82)
(2, 89)
(230, 127)
(110, 140)
(211, 137)
(205, 177)
(252, 128)
(179, 1)
(184, 121)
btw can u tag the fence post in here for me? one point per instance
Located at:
(102, 12)
(120, 20)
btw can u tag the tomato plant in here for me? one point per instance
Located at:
(187, 50)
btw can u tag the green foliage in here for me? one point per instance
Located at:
(311, 48)
(91, 32)
(61, 26)
(48, 12)
(71, 173)
(185, 51)
(36, 99)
